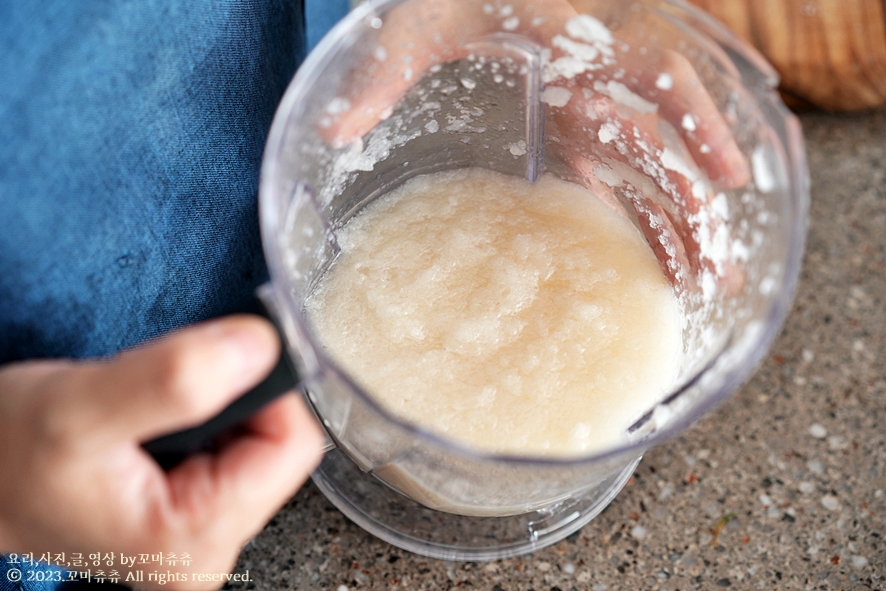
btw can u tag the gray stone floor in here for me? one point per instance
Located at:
(798, 456)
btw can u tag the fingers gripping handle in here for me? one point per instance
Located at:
(170, 450)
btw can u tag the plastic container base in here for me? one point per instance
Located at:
(402, 522)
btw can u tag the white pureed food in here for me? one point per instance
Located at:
(510, 317)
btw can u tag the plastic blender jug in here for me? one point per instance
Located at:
(615, 96)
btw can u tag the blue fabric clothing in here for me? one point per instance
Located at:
(21, 574)
(131, 139)
(131, 136)
(320, 16)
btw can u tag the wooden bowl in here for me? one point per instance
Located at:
(831, 54)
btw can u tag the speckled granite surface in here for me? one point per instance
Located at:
(798, 456)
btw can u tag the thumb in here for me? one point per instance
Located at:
(175, 382)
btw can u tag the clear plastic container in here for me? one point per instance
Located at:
(597, 93)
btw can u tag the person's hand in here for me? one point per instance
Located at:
(424, 33)
(607, 96)
(74, 478)
(421, 34)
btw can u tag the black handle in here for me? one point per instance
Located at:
(170, 450)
